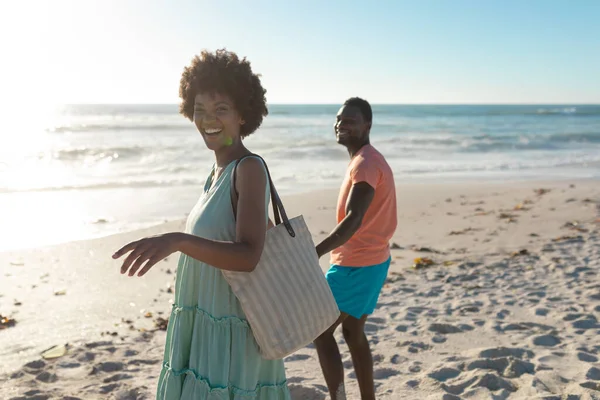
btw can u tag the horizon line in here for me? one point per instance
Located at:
(337, 104)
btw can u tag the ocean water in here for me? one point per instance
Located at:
(83, 171)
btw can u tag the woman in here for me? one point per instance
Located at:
(210, 351)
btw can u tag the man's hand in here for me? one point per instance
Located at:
(359, 200)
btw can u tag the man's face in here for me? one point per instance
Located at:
(350, 126)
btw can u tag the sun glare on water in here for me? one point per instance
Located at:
(26, 149)
(30, 212)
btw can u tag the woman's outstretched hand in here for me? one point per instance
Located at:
(148, 250)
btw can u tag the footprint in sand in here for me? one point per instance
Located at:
(35, 365)
(143, 362)
(322, 388)
(546, 340)
(397, 359)
(538, 293)
(93, 345)
(489, 381)
(371, 328)
(445, 396)
(68, 365)
(300, 392)
(416, 310)
(498, 352)
(384, 373)
(111, 349)
(548, 382)
(505, 366)
(474, 307)
(438, 339)
(444, 373)
(432, 313)
(376, 320)
(87, 356)
(377, 358)
(17, 375)
(410, 317)
(415, 347)
(593, 374)
(415, 367)
(413, 383)
(117, 378)
(591, 385)
(523, 326)
(33, 395)
(109, 366)
(108, 388)
(297, 357)
(555, 360)
(586, 357)
(542, 312)
(587, 322)
(502, 314)
(132, 394)
(47, 377)
(444, 328)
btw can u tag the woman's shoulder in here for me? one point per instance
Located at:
(252, 171)
(251, 164)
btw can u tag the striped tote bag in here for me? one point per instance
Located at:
(286, 299)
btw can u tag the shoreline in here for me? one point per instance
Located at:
(489, 241)
(416, 181)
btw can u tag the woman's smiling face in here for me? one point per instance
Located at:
(217, 119)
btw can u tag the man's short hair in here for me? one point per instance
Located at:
(363, 106)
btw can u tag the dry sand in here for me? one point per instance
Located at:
(509, 310)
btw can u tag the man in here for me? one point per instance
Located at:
(359, 246)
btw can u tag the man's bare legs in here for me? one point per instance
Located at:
(362, 360)
(331, 360)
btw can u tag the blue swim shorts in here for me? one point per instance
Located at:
(356, 289)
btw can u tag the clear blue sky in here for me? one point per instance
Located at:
(420, 51)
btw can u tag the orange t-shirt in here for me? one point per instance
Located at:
(370, 244)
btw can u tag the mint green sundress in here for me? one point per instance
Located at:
(210, 352)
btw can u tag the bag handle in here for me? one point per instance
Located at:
(278, 209)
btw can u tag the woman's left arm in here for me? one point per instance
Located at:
(241, 255)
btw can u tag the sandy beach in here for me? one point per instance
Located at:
(502, 303)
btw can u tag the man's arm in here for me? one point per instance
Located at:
(359, 200)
